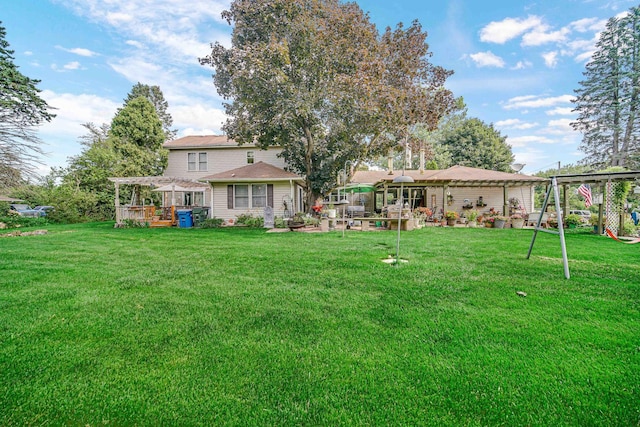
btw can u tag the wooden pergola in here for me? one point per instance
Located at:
(172, 184)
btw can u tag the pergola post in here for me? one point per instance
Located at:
(505, 200)
(117, 203)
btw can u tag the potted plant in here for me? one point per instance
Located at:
(451, 217)
(499, 221)
(472, 217)
(331, 211)
(573, 220)
(594, 221)
(517, 221)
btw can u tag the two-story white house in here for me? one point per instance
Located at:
(241, 178)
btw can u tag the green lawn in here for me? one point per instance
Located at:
(103, 326)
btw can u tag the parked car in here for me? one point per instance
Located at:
(24, 210)
(584, 214)
(42, 210)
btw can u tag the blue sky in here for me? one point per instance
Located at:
(516, 63)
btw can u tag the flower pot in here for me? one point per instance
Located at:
(472, 224)
(517, 222)
(488, 224)
(331, 213)
(499, 223)
(451, 222)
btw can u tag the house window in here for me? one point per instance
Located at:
(250, 157)
(241, 197)
(196, 162)
(244, 196)
(258, 195)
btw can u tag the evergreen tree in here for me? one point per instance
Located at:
(607, 101)
(21, 110)
(155, 96)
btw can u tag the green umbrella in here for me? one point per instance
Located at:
(359, 188)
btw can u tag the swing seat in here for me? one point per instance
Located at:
(614, 237)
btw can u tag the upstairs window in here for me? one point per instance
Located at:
(196, 162)
(250, 157)
(202, 161)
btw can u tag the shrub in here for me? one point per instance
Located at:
(212, 223)
(573, 219)
(134, 223)
(250, 221)
(13, 220)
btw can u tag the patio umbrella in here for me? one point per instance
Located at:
(359, 188)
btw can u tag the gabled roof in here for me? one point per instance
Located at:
(202, 141)
(461, 176)
(260, 171)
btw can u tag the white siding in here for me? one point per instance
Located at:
(492, 196)
(220, 209)
(219, 160)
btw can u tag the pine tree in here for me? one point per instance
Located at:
(155, 96)
(21, 110)
(607, 101)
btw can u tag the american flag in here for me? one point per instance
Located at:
(585, 191)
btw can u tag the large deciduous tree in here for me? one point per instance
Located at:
(21, 111)
(607, 100)
(473, 143)
(316, 78)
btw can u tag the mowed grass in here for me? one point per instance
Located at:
(103, 326)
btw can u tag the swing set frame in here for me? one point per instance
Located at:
(595, 179)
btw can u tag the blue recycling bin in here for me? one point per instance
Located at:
(185, 218)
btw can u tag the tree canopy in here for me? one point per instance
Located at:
(607, 100)
(471, 142)
(155, 96)
(316, 78)
(21, 110)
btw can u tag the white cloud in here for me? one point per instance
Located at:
(550, 59)
(509, 28)
(78, 51)
(73, 110)
(560, 126)
(487, 59)
(72, 65)
(540, 36)
(532, 101)
(588, 24)
(585, 57)
(524, 141)
(521, 65)
(515, 124)
(198, 119)
(560, 111)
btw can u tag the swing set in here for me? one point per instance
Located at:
(605, 183)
